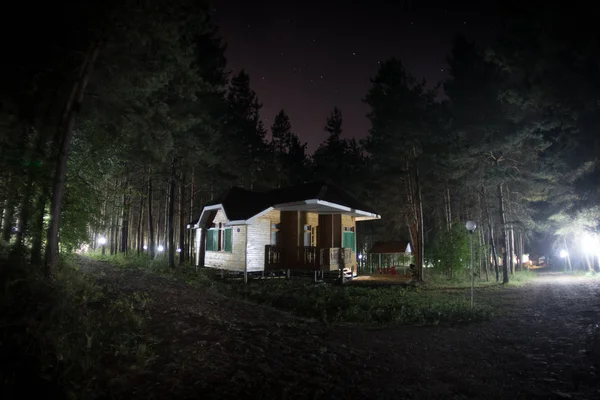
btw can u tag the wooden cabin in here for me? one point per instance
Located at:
(309, 227)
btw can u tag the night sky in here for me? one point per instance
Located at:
(307, 57)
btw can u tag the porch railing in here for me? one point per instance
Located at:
(310, 257)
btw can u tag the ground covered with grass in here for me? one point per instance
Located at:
(67, 336)
(187, 335)
(370, 305)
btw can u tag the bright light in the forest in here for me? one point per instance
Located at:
(471, 226)
(160, 247)
(179, 250)
(360, 256)
(525, 258)
(589, 243)
(145, 247)
(563, 253)
(102, 240)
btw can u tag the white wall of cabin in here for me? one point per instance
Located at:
(236, 260)
(259, 236)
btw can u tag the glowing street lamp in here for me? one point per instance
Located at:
(471, 226)
(563, 254)
(102, 242)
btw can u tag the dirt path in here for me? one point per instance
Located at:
(216, 347)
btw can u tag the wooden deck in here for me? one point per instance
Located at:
(307, 258)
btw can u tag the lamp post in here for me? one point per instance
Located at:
(102, 242)
(471, 226)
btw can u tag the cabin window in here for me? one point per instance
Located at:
(219, 239)
(348, 241)
(274, 234)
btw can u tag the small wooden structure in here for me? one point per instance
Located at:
(309, 227)
(390, 257)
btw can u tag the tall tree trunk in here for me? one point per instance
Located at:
(165, 225)
(113, 240)
(189, 248)
(140, 223)
(125, 226)
(416, 228)
(491, 232)
(37, 229)
(170, 217)
(505, 262)
(182, 183)
(151, 244)
(568, 254)
(448, 208)
(482, 257)
(63, 141)
(510, 231)
(9, 213)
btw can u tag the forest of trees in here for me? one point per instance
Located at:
(122, 121)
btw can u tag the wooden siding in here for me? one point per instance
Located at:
(259, 236)
(234, 261)
(289, 229)
(324, 231)
(274, 216)
(220, 217)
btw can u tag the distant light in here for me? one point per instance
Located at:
(471, 226)
(145, 247)
(589, 243)
(526, 257)
(160, 248)
(179, 250)
(563, 253)
(360, 256)
(102, 240)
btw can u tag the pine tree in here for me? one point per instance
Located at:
(400, 129)
(245, 134)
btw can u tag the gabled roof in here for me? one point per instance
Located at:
(241, 204)
(400, 246)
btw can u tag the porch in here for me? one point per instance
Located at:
(311, 258)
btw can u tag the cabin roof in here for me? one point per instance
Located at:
(241, 204)
(399, 246)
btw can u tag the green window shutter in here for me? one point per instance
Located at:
(348, 241)
(211, 242)
(228, 240)
(215, 235)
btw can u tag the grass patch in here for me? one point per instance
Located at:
(462, 280)
(68, 336)
(333, 303)
(202, 278)
(326, 302)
